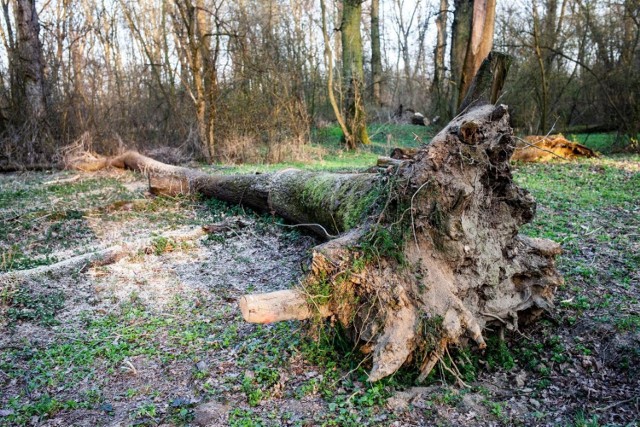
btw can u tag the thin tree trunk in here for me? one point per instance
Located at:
(376, 56)
(438, 56)
(353, 74)
(195, 22)
(542, 68)
(210, 78)
(441, 42)
(328, 58)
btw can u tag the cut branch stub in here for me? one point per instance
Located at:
(277, 306)
(427, 254)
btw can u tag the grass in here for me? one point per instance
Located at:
(606, 143)
(196, 348)
(80, 355)
(384, 138)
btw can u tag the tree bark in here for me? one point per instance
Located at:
(460, 33)
(480, 41)
(472, 40)
(30, 60)
(195, 21)
(488, 82)
(438, 87)
(420, 257)
(376, 56)
(353, 74)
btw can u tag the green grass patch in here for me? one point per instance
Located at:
(24, 305)
(605, 143)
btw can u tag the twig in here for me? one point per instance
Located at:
(327, 235)
(606, 408)
(98, 254)
(129, 366)
(593, 231)
(457, 373)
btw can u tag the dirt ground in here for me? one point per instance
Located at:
(155, 338)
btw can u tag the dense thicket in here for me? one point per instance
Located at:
(247, 80)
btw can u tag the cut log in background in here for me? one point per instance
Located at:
(419, 257)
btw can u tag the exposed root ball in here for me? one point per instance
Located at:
(443, 257)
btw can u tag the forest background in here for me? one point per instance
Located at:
(248, 81)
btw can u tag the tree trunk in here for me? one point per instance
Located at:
(28, 111)
(420, 257)
(480, 42)
(488, 82)
(439, 69)
(30, 61)
(353, 74)
(195, 22)
(542, 67)
(472, 40)
(209, 77)
(376, 56)
(328, 61)
(460, 33)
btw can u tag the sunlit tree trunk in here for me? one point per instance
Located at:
(472, 40)
(480, 41)
(353, 74)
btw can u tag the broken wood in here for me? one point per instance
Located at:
(537, 148)
(384, 162)
(419, 257)
(101, 256)
(488, 82)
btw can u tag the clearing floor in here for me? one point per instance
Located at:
(154, 337)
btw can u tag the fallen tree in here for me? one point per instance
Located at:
(420, 256)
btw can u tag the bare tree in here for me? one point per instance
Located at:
(328, 57)
(404, 29)
(193, 25)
